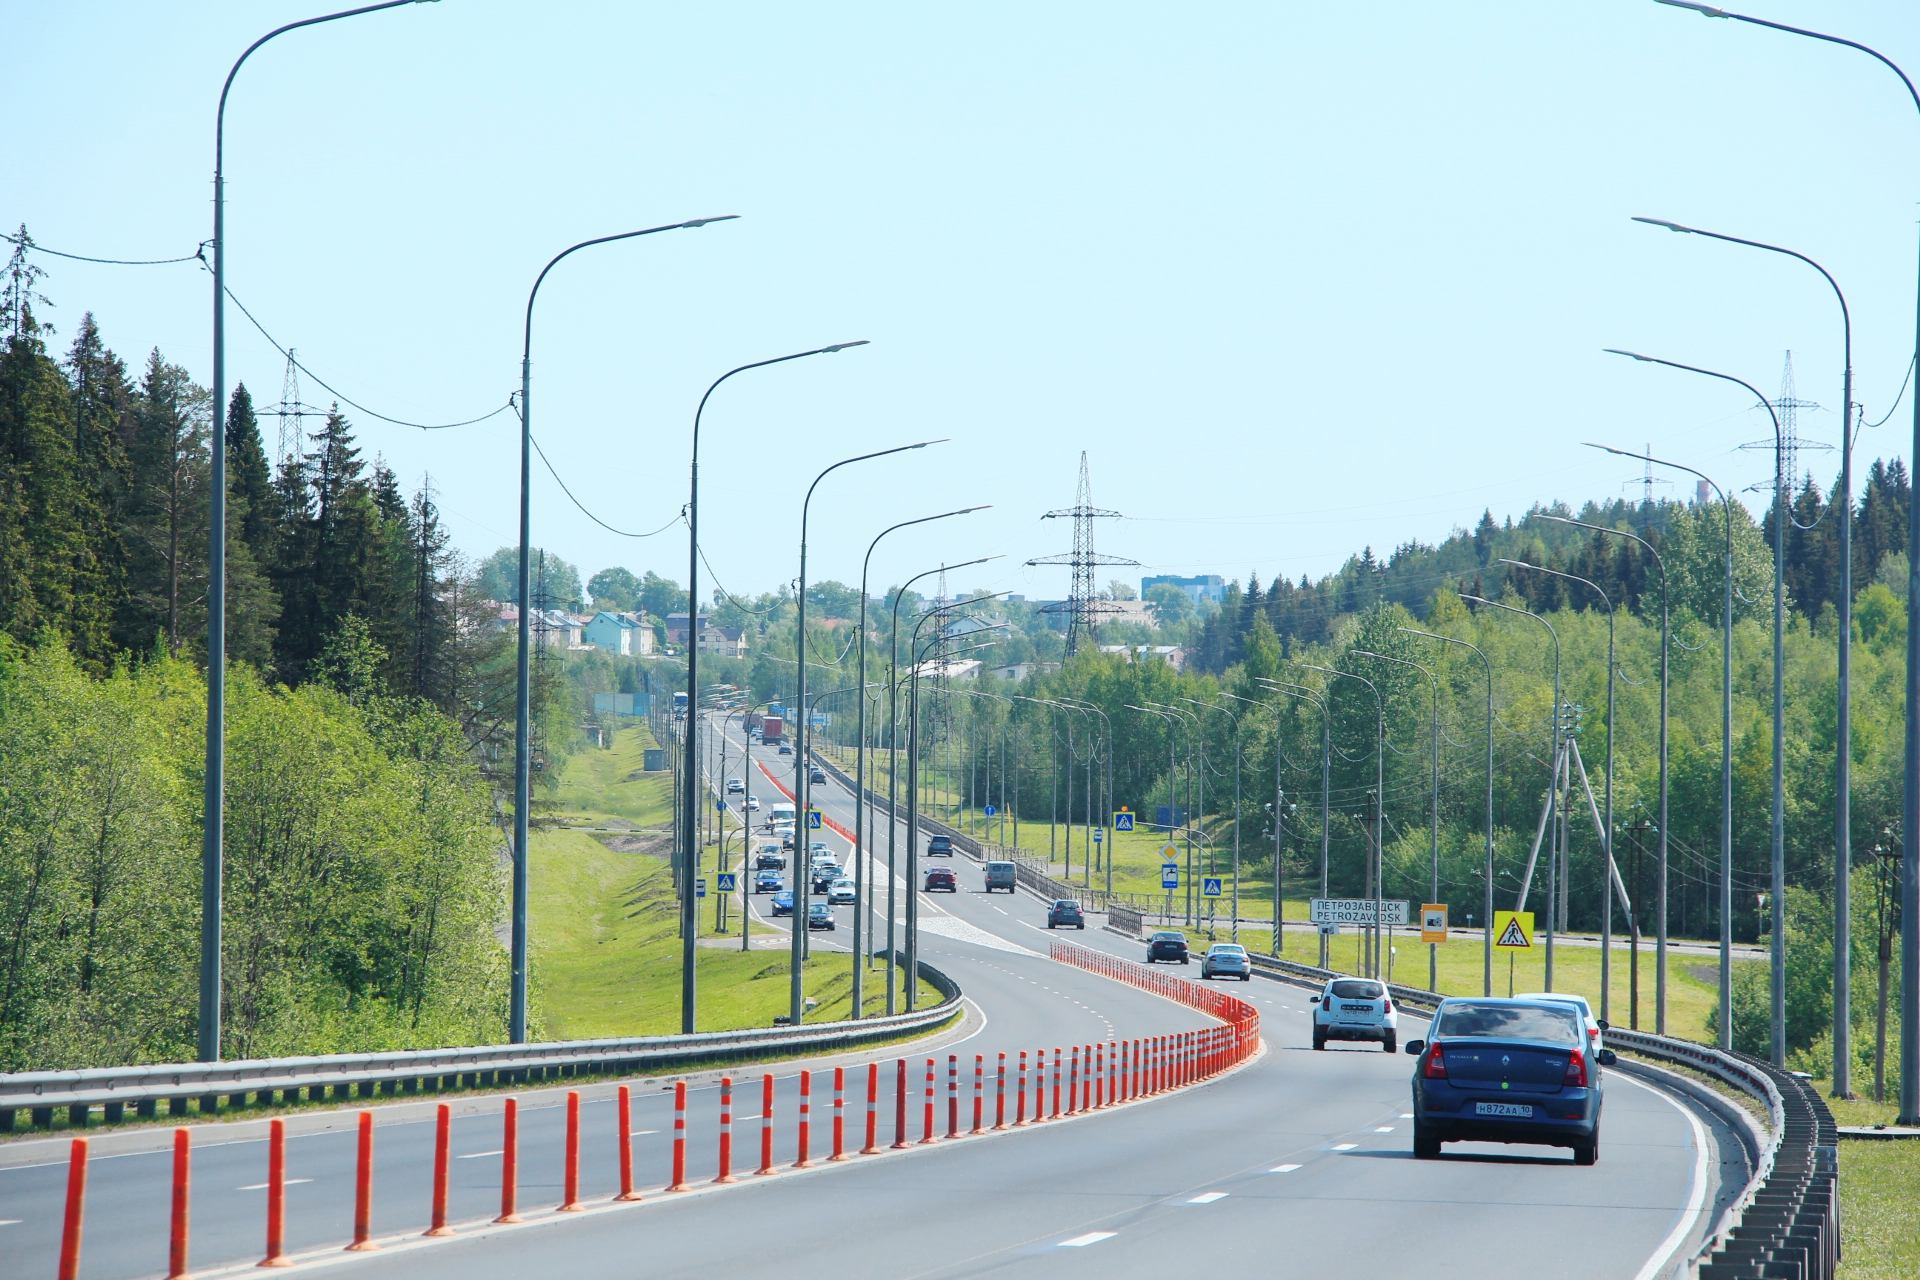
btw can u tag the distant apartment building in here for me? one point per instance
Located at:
(621, 633)
(1015, 672)
(724, 642)
(1205, 586)
(1172, 654)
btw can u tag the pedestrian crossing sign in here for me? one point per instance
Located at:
(1513, 930)
(1210, 886)
(813, 819)
(1123, 821)
(728, 882)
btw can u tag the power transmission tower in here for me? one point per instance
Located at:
(1646, 482)
(290, 411)
(1787, 408)
(1083, 604)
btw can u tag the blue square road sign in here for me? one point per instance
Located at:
(1123, 822)
(1169, 876)
(1210, 886)
(729, 882)
(813, 819)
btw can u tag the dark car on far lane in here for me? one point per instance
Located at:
(783, 903)
(767, 882)
(942, 878)
(1064, 913)
(820, 916)
(1507, 1071)
(939, 846)
(1167, 945)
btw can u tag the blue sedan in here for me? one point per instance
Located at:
(783, 903)
(1507, 1071)
(767, 882)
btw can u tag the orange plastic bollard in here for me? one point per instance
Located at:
(927, 1129)
(570, 1160)
(1020, 1096)
(363, 1190)
(76, 1210)
(623, 1122)
(726, 1128)
(182, 1188)
(1055, 1115)
(873, 1111)
(442, 1145)
(766, 1128)
(1000, 1096)
(276, 1197)
(1100, 1076)
(978, 1068)
(806, 1118)
(839, 1114)
(679, 1182)
(510, 1163)
(900, 1107)
(953, 1095)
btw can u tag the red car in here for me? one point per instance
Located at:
(942, 878)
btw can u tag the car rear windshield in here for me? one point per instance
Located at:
(1352, 990)
(1169, 937)
(1558, 1025)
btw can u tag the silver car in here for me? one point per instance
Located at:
(840, 892)
(1595, 1041)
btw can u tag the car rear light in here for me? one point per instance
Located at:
(1436, 1066)
(1576, 1076)
(1386, 1006)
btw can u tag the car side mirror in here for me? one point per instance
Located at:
(1606, 1057)
(1416, 1047)
(1604, 1025)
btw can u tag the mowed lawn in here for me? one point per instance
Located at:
(600, 783)
(605, 953)
(1879, 1230)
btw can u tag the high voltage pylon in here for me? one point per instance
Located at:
(1083, 604)
(1787, 408)
(291, 412)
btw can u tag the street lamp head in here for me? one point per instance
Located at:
(1631, 355)
(1704, 10)
(695, 222)
(924, 443)
(1662, 222)
(842, 346)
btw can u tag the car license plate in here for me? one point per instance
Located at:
(1521, 1109)
(1356, 1008)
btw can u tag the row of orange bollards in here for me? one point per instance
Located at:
(1091, 1077)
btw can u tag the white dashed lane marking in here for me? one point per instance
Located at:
(471, 1155)
(1092, 1237)
(1343, 1146)
(1385, 1128)
(1208, 1198)
(1283, 1168)
(261, 1186)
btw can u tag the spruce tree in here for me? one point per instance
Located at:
(102, 419)
(167, 510)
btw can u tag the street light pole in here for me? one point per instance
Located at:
(1433, 949)
(1303, 693)
(1910, 772)
(213, 822)
(1608, 872)
(1486, 976)
(1106, 811)
(1843, 732)
(861, 940)
(802, 902)
(1237, 753)
(1726, 751)
(689, 849)
(1279, 804)
(1666, 615)
(1379, 798)
(1553, 784)
(1778, 861)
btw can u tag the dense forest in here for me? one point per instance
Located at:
(371, 702)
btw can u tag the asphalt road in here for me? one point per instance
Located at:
(1300, 1158)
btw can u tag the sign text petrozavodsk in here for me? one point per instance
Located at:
(1358, 911)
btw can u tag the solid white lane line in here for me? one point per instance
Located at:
(1092, 1237)
(1208, 1198)
(1283, 1168)
(1343, 1146)
(1696, 1199)
(261, 1186)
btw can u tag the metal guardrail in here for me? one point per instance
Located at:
(1785, 1225)
(313, 1079)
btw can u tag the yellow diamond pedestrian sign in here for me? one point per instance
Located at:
(1513, 930)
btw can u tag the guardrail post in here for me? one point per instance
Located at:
(806, 1118)
(363, 1190)
(927, 1126)
(726, 1127)
(766, 1127)
(182, 1188)
(509, 1162)
(442, 1145)
(1000, 1096)
(900, 1107)
(679, 1182)
(276, 1198)
(76, 1210)
(873, 1110)
(839, 1114)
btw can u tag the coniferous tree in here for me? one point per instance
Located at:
(102, 421)
(167, 509)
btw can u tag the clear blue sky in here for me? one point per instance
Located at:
(1298, 277)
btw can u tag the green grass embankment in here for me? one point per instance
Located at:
(1879, 1231)
(599, 784)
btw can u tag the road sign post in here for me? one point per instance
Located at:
(1512, 933)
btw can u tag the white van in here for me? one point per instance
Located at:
(780, 813)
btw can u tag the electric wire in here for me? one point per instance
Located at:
(34, 246)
